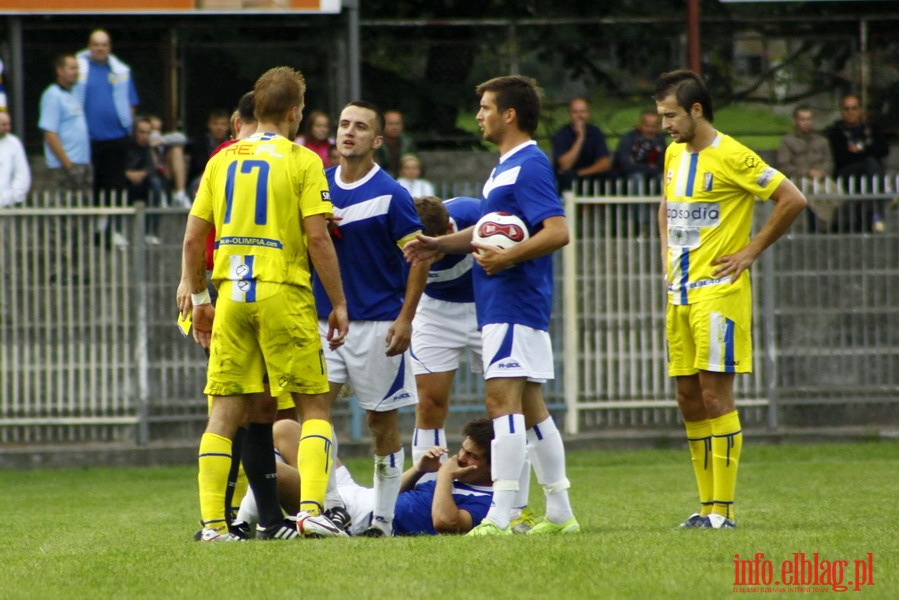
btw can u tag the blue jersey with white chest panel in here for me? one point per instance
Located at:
(412, 515)
(375, 214)
(450, 277)
(522, 184)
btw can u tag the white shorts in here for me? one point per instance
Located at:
(441, 332)
(359, 501)
(517, 351)
(380, 382)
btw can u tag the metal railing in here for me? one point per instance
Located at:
(824, 325)
(89, 349)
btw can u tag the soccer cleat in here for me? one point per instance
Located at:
(547, 527)
(525, 522)
(317, 526)
(696, 521)
(489, 528)
(717, 521)
(282, 530)
(241, 529)
(340, 517)
(373, 532)
(212, 535)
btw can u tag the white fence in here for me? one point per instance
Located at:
(825, 326)
(89, 350)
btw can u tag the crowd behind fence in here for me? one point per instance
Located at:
(89, 349)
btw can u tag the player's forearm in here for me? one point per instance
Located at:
(445, 514)
(456, 243)
(193, 254)
(553, 236)
(415, 286)
(789, 202)
(324, 259)
(410, 478)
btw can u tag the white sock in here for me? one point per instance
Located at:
(547, 453)
(508, 455)
(248, 511)
(422, 441)
(524, 489)
(388, 474)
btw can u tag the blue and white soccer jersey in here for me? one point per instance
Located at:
(412, 515)
(445, 323)
(376, 216)
(522, 184)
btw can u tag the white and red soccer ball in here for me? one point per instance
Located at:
(500, 229)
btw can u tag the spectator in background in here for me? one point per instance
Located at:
(67, 146)
(316, 135)
(579, 148)
(144, 184)
(333, 155)
(168, 152)
(396, 143)
(217, 127)
(106, 91)
(15, 175)
(410, 177)
(858, 152)
(641, 153)
(805, 154)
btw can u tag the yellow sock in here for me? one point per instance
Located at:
(240, 490)
(215, 463)
(314, 464)
(727, 442)
(699, 438)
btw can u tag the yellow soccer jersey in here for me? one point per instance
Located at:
(257, 192)
(710, 197)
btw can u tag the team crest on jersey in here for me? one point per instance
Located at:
(707, 180)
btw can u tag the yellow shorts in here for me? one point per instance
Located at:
(711, 335)
(285, 401)
(277, 336)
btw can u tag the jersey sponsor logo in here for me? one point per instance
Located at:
(326, 196)
(694, 214)
(248, 241)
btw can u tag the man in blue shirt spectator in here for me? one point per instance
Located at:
(67, 149)
(106, 91)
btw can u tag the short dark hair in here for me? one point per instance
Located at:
(60, 60)
(432, 214)
(246, 107)
(481, 433)
(688, 88)
(516, 92)
(800, 108)
(379, 115)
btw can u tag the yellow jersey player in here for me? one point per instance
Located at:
(711, 182)
(269, 203)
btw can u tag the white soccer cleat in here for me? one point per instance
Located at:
(211, 535)
(317, 526)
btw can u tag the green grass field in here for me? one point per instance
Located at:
(127, 533)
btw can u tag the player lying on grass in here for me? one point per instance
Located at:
(455, 502)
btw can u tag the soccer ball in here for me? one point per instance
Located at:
(500, 229)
